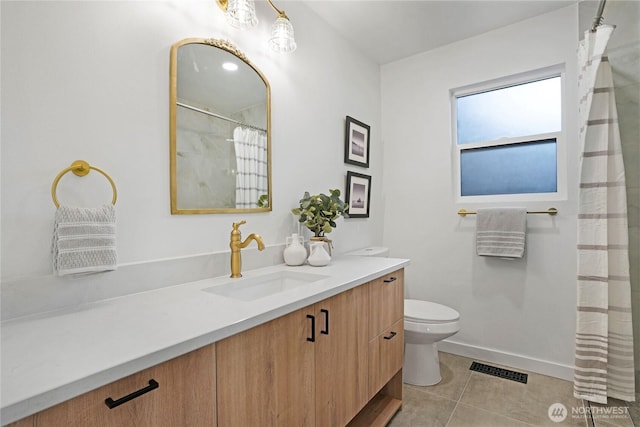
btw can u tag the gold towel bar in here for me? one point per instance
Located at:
(81, 168)
(550, 211)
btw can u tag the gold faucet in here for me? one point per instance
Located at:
(236, 244)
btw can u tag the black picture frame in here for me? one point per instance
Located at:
(356, 142)
(358, 194)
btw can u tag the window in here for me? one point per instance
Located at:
(507, 136)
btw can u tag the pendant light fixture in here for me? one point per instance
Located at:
(282, 39)
(241, 14)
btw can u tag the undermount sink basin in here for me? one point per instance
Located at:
(253, 288)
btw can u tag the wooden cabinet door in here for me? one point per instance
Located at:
(266, 374)
(341, 356)
(386, 299)
(386, 353)
(185, 396)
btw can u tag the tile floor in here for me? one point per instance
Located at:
(466, 398)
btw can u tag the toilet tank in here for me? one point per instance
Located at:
(379, 251)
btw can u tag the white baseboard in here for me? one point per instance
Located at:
(514, 361)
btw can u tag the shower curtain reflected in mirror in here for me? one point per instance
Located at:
(604, 365)
(251, 166)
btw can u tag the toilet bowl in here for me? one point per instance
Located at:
(425, 323)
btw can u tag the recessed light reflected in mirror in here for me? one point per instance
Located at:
(230, 66)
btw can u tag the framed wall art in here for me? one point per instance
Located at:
(358, 194)
(356, 142)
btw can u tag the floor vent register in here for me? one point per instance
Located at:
(499, 372)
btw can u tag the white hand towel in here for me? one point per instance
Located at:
(84, 240)
(501, 232)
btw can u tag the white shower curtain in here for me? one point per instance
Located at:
(251, 166)
(604, 337)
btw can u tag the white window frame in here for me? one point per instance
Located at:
(560, 137)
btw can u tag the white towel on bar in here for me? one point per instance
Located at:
(84, 240)
(501, 232)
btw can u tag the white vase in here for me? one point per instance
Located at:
(295, 252)
(319, 256)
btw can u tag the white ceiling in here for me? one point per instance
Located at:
(388, 30)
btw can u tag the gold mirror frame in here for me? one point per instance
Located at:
(173, 105)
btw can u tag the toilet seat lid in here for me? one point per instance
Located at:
(428, 312)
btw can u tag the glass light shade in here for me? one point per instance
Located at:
(241, 14)
(282, 36)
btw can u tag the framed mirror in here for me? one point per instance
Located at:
(220, 138)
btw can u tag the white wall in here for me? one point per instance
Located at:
(518, 312)
(90, 80)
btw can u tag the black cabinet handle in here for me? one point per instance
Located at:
(391, 335)
(313, 328)
(153, 384)
(390, 279)
(325, 331)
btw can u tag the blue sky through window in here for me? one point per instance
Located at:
(525, 109)
(509, 169)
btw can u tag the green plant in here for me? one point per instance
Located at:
(319, 212)
(263, 201)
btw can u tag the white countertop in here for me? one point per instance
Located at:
(53, 357)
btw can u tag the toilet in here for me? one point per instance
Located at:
(425, 323)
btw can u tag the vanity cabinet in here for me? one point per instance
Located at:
(266, 374)
(183, 397)
(303, 369)
(386, 350)
(385, 356)
(341, 357)
(386, 299)
(335, 363)
(386, 332)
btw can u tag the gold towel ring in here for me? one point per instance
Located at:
(81, 168)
